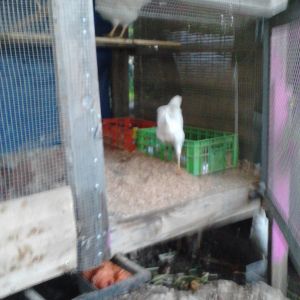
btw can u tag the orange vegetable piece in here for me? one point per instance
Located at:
(89, 273)
(106, 274)
(122, 275)
(104, 277)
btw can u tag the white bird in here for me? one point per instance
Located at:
(170, 125)
(120, 12)
(260, 232)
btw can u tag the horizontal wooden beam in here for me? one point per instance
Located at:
(28, 38)
(132, 43)
(37, 240)
(47, 39)
(222, 208)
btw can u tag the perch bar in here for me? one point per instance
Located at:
(17, 37)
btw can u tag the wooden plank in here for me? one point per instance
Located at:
(38, 239)
(78, 93)
(20, 38)
(244, 213)
(279, 259)
(135, 233)
(16, 37)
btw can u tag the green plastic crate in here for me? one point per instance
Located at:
(204, 151)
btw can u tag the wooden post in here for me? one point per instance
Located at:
(120, 89)
(279, 259)
(78, 95)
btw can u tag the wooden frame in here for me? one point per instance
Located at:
(79, 103)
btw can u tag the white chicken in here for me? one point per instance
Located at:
(170, 125)
(120, 12)
(260, 232)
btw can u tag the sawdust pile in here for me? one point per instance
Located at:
(139, 184)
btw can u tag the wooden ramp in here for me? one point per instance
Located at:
(149, 203)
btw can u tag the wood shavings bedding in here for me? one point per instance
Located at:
(137, 184)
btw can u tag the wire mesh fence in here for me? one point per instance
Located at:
(31, 154)
(284, 127)
(50, 133)
(212, 49)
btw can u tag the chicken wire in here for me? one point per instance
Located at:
(284, 128)
(47, 54)
(31, 154)
(217, 71)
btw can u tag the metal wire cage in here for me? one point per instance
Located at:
(50, 142)
(50, 134)
(282, 176)
(32, 157)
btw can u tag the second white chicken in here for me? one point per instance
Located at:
(120, 12)
(170, 125)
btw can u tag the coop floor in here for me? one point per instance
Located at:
(138, 184)
(149, 201)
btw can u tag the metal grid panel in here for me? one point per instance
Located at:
(31, 155)
(50, 133)
(284, 128)
(217, 71)
(201, 10)
(190, 11)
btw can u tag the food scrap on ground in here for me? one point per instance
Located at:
(105, 275)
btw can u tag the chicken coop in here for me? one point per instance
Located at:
(73, 193)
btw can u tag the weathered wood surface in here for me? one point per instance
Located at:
(78, 95)
(279, 259)
(145, 230)
(37, 240)
(46, 39)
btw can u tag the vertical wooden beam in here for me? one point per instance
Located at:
(78, 95)
(279, 259)
(120, 84)
(265, 102)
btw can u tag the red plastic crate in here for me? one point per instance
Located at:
(120, 132)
